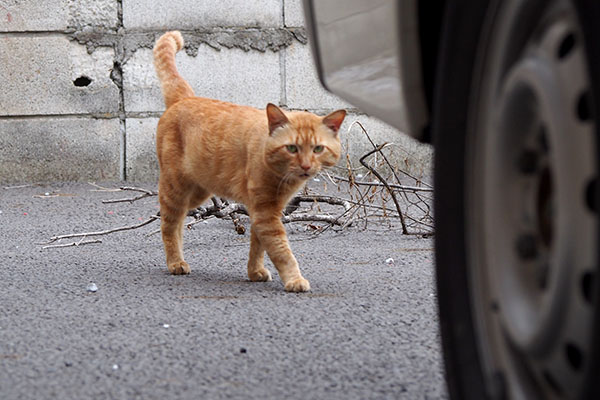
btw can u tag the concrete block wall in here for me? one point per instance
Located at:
(81, 101)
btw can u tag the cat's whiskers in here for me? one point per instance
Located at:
(284, 180)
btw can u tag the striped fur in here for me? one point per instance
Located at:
(173, 86)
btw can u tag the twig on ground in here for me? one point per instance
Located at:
(294, 204)
(101, 233)
(310, 218)
(102, 189)
(80, 243)
(20, 186)
(145, 193)
(224, 211)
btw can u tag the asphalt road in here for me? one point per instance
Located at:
(367, 330)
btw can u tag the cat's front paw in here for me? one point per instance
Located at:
(179, 268)
(297, 285)
(261, 275)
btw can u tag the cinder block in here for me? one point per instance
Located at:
(59, 149)
(141, 161)
(293, 13)
(96, 13)
(57, 15)
(248, 78)
(303, 89)
(38, 76)
(192, 14)
(404, 152)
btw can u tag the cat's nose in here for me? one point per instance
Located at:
(305, 167)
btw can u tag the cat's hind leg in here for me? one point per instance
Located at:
(173, 210)
(256, 260)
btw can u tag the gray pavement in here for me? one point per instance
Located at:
(367, 330)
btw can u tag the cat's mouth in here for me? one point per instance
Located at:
(305, 175)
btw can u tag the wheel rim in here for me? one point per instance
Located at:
(532, 220)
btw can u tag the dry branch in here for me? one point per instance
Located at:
(311, 218)
(403, 188)
(145, 193)
(80, 243)
(102, 233)
(417, 180)
(219, 210)
(294, 204)
(387, 186)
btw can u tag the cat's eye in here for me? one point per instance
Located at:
(318, 149)
(292, 148)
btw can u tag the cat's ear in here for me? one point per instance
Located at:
(334, 120)
(276, 117)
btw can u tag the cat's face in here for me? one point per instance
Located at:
(301, 143)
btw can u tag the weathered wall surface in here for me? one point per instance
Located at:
(80, 100)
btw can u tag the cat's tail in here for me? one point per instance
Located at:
(173, 86)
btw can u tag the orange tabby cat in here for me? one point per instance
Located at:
(257, 157)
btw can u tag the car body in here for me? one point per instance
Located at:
(382, 72)
(369, 53)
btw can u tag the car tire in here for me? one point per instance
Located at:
(516, 162)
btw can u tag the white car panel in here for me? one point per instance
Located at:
(378, 70)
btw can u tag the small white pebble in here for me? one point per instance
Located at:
(166, 325)
(389, 261)
(92, 288)
(115, 367)
(316, 180)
